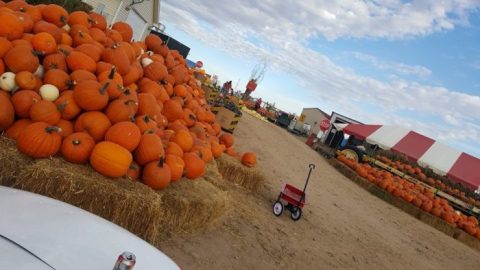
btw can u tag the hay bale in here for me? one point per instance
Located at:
(184, 206)
(190, 205)
(12, 162)
(232, 170)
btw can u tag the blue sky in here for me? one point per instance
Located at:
(410, 63)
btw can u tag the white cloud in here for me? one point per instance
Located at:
(287, 25)
(398, 68)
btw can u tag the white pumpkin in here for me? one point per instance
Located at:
(39, 72)
(146, 61)
(49, 92)
(7, 82)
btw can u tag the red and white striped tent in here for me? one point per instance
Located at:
(443, 160)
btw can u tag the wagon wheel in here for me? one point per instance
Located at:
(296, 213)
(277, 208)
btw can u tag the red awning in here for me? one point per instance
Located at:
(466, 170)
(413, 145)
(360, 131)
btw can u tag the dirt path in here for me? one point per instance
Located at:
(343, 226)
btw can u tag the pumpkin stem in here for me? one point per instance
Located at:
(76, 142)
(51, 129)
(149, 131)
(133, 166)
(71, 84)
(63, 19)
(38, 53)
(163, 82)
(129, 101)
(161, 161)
(65, 52)
(104, 88)
(146, 118)
(132, 118)
(111, 75)
(115, 45)
(62, 106)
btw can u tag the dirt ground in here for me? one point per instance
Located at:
(342, 227)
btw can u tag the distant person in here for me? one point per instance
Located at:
(251, 86)
(226, 88)
(258, 103)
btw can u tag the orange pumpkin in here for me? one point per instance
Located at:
(78, 60)
(25, 80)
(45, 111)
(227, 139)
(67, 106)
(11, 26)
(144, 123)
(110, 159)
(172, 110)
(44, 43)
(157, 174)
(176, 165)
(149, 149)
(174, 149)
(21, 58)
(90, 95)
(23, 100)
(94, 123)
(58, 78)
(55, 61)
(17, 128)
(39, 140)
(66, 127)
(77, 147)
(194, 165)
(184, 139)
(125, 134)
(134, 171)
(55, 14)
(121, 110)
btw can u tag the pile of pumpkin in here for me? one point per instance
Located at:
(418, 173)
(415, 194)
(72, 85)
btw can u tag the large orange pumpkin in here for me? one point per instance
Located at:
(149, 149)
(11, 26)
(176, 165)
(94, 123)
(125, 134)
(21, 58)
(194, 165)
(227, 139)
(67, 106)
(110, 159)
(45, 111)
(39, 140)
(77, 147)
(22, 102)
(157, 174)
(184, 139)
(90, 95)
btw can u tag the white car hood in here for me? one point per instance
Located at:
(65, 237)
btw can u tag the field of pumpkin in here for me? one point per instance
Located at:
(432, 179)
(72, 86)
(415, 194)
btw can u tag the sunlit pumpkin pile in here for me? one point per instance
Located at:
(415, 194)
(73, 86)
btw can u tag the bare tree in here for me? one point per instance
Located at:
(258, 72)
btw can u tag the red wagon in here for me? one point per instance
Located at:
(292, 199)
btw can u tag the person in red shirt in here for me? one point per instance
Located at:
(251, 86)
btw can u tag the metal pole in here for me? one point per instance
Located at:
(311, 166)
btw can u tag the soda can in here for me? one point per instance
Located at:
(126, 261)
